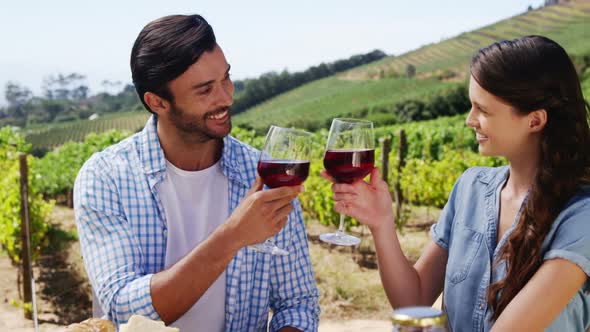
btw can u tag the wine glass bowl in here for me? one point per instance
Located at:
(279, 173)
(349, 157)
(284, 161)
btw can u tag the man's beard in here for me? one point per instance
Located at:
(194, 127)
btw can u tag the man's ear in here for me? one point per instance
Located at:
(156, 103)
(537, 120)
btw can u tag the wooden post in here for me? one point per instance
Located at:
(385, 150)
(397, 191)
(402, 152)
(70, 198)
(24, 232)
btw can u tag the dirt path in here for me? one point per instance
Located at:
(11, 317)
(62, 288)
(355, 325)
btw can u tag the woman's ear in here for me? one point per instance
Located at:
(156, 103)
(537, 120)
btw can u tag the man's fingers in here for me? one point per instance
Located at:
(256, 186)
(279, 204)
(283, 213)
(280, 193)
(281, 223)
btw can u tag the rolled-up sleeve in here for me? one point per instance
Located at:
(112, 255)
(572, 237)
(294, 297)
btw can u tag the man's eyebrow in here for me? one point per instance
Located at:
(200, 85)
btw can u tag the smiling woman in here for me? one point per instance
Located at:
(509, 238)
(545, 126)
(498, 126)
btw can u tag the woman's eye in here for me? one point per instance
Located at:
(480, 110)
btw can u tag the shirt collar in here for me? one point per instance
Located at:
(233, 152)
(494, 177)
(150, 152)
(153, 159)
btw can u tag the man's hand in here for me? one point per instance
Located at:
(262, 213)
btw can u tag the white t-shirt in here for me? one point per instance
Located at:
(195, 204)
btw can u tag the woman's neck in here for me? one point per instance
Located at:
(523, 170)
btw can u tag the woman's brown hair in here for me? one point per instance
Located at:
(534, 73)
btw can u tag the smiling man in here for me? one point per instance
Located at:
(165, 217)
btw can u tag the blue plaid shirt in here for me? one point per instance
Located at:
(122, 229)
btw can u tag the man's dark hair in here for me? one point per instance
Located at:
(164, 49)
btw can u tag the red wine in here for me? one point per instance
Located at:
(279, 173)
(348, 166)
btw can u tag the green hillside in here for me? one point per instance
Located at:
(438, 66)
(568, 24)
(314, 105)
(49, 136)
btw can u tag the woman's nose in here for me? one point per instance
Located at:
(470, 121)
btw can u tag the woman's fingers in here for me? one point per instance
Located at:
(343, 188)
(327, 176)
(348, 208)
(376, 180)
(344, 196)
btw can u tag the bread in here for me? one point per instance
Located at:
(92, 325)
(142, 324)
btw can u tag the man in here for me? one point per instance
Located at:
(166, 216)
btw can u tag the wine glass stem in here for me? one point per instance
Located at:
(341, 227)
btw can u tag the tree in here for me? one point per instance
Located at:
(410, 70)
(62, 87)
(111, 86)
(16, 95)
(250, 92)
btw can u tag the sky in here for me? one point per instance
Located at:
(94, 38)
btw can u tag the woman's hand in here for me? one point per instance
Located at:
(369, 203)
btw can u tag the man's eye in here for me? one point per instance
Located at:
(205, 92)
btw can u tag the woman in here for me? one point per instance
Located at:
(512, 246)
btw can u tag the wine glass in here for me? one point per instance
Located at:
(284, 161)
(349, 156)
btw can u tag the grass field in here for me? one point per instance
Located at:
(331, 97)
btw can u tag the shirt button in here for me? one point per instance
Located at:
(165, 232)
(481, 306)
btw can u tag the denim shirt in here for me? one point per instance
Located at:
(467, 229)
